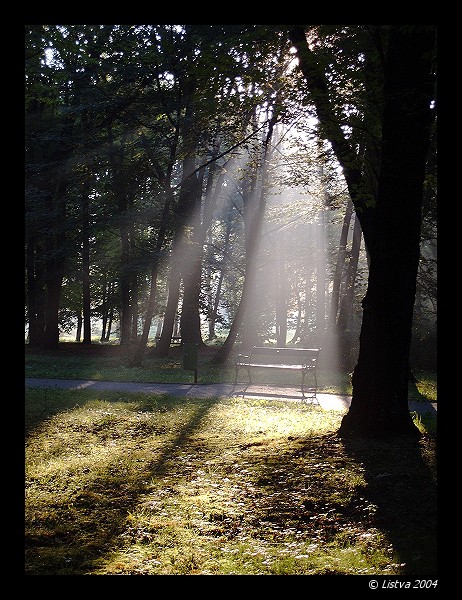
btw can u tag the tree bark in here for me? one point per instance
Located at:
(339, 267)
(346, 304)
(380, 379)
(390, 220)
(86, 300)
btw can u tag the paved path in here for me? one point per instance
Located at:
(209, 390)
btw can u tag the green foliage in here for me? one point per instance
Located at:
(105, 121)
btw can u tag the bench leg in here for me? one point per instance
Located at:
(236, 369)
(315, 386)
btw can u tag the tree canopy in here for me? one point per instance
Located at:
(176, 174)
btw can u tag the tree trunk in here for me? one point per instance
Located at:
(54, 281)
(35, 295)
(298, 327)
(254, 223)
(339, 267)
(390, 220)
(138, 355)
(142, 343)
(78, 331)
(104, 311)
(320, 253)
(120, 193)
(165, 180)
(346, 304)
(192, 245)
(281, 295)
(190, 313)
(86, 264)
(163, 345)
(381, 376)
(55, 264)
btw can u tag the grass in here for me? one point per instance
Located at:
(110, 363)
(139, 484)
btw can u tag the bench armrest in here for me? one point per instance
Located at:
(242, 359)
(311, 363)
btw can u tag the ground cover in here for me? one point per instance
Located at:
(141, 484)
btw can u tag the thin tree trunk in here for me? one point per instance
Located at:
(281, 298)
(253, 238)
(86, 263)
(340, 266)
(104, 311)
(142, 342)
(298, 328)
(119, 190)
(163, 345)
(164, 179)
(320, 253)
(78, 332)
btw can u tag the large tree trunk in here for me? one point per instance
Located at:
(192, 248)
(192, 273)
(390, 220)
(380, 379)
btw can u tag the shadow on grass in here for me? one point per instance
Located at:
(318, 494)
(302, 484)
(72, 535)
(401, 482)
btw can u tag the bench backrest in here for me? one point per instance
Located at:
(271, 354)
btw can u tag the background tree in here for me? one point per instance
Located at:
(130, 128)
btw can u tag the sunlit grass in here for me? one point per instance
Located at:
(426, 386)
(145, 484)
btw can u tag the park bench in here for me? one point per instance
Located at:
(291, 359)
(174, 340)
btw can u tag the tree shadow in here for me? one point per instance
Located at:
(78, 533)
(401, 483)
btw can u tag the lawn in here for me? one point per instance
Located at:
(138, 484)
(133, 484)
